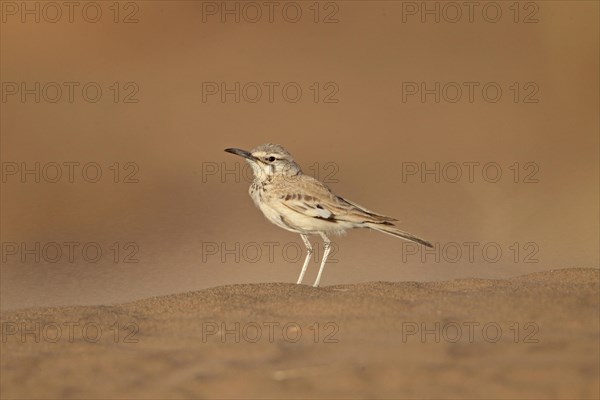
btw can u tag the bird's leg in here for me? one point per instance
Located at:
(327, 247)
(309, 251)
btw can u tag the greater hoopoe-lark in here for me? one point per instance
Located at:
(299, 203)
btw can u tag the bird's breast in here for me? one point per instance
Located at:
(258, 191)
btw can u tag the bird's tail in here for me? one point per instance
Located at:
(391, 229)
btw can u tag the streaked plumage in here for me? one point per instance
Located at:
(299, 203)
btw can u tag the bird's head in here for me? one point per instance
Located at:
(268, 160)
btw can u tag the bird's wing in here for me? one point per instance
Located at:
(312, 205)
(372, 214)
(312, 198)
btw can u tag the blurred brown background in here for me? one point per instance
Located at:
(176, 132)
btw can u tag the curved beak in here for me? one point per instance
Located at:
(241, 153)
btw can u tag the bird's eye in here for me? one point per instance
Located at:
(271, 159)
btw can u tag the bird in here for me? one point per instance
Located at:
(302, 204)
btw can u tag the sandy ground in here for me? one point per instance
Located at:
(534, 336)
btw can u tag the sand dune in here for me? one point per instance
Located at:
(534, 336)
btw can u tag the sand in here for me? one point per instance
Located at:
(534, 336)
